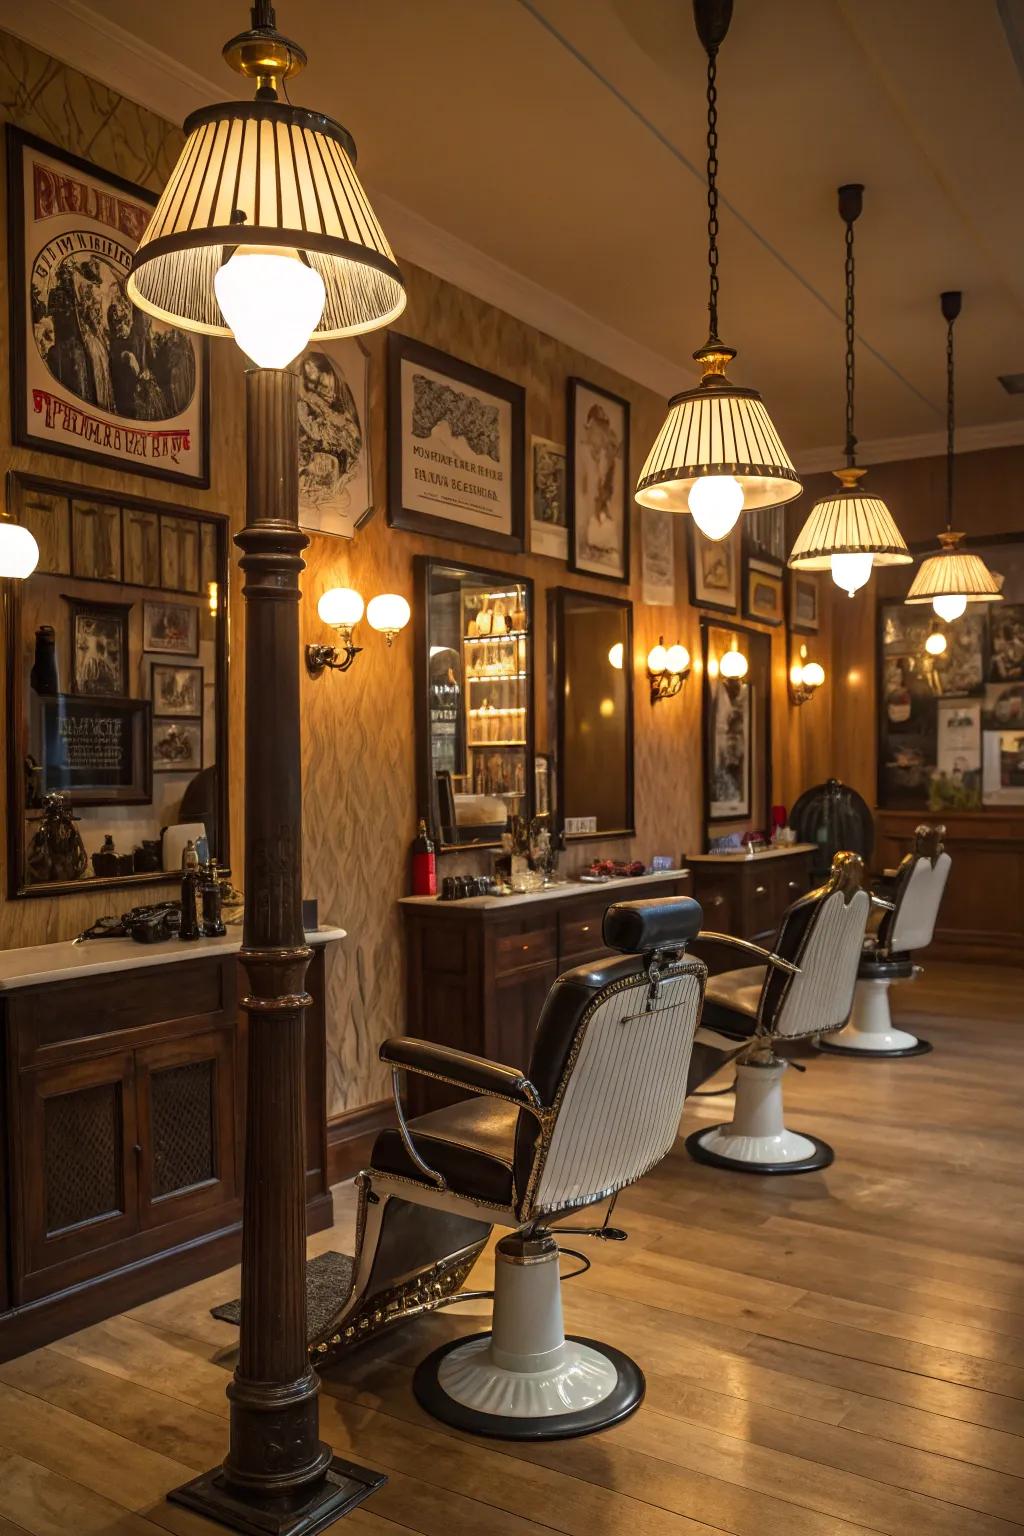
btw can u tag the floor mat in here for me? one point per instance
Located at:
(328, 1278)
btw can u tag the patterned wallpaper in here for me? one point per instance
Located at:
(357, 729)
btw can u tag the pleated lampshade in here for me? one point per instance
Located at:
(954, 572)
(848, 522)
(717, 429)
(265, 174)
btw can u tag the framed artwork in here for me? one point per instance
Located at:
(1002, 759)
(335, 471)
(764, 535)
(177, 746)
(170, 627)
(176, 690)
(45, 514)
(549, 514)
(96, 750)
(714, 570)
(658, 565)
(803, 602)
(99, 646)
(762, 594)
(957, 781)
(456, 448)
(140, 534)
(95, 540)
(729, 752)
(179, 554)
(597, 472)
(92, 377)
(1006, 648)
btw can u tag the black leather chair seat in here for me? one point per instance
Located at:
(731, 1000)
(876, 966)
(471, 1143)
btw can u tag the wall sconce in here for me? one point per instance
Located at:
(805, 678)
(341, 608)
(667, 670)
(732, 668)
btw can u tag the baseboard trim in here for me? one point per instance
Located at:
(350, 1137)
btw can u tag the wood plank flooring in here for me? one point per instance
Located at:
(830, 1354)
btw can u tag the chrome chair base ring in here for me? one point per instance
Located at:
(624, 1398)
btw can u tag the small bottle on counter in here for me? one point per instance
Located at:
(189, 928)
(212, 898)
(424, 863)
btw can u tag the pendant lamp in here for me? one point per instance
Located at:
(849, 531)
(718, 453)
(263, 231)
(954, 578)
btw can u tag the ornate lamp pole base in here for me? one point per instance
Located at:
(279, 1478)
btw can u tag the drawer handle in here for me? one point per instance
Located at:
(794, 885)
(760, 890)
(585, 928)
(137, 1149)
(525, 948)
(716, 901)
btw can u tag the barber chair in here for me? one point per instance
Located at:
(599, 1106)
(804, 987)
(906, 908)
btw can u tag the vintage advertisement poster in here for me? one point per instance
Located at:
(600, 496)
(335, 483)
(657, 528)
(92, 376)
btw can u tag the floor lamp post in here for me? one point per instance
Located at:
(264, 233)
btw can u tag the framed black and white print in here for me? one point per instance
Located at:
(762, 591)
(92, 376)
(335, 472)
(549, 512)
(97, 750)
(177, 746)
(456, 448)
(713, 570)
(764, 535)
(99, 646)
(600, 495)
(803, 602)
(170, 627)
(176, 690)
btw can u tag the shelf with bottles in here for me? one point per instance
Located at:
(489, 726)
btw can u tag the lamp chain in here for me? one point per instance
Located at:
(851, 441)
(712, 142)
(949, 426)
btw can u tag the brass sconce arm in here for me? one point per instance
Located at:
(667, 670)
(321, 657)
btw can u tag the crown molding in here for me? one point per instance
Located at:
(925, 445)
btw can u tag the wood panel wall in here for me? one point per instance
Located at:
(358, 747)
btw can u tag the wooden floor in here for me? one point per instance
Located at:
(832, 1353)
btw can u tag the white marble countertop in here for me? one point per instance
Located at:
(64, 962)
(741, 856)
(527, 898)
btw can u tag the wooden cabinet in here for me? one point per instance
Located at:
(747, 897)
(479, 971)
(123, 1139)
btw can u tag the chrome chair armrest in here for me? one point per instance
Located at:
(881, 904)
(437, 1179)
(778, 961)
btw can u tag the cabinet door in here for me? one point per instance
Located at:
(77, 1173)
(718, 901)
(518, 1003)
(185, 1093)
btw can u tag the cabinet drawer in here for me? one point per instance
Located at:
(719, 905)
(515, 950)
(580, 932)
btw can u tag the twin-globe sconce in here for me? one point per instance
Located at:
(805, 678)
(341, 609)
(667, 669)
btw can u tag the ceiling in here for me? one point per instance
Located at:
(549, 155)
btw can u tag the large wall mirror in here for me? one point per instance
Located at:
(736, 715)
(475, 727)
(592, 706)
(116, 690)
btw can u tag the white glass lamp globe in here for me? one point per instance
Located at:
(272, 302)
(733, 665)
(813, 674)
(851, 571)
(949, 605)
(19, 552)
(657, 659)
(388, 613)
(716, 501)
(678, 658)
(935, 644)
(341, 607)
(615, 655)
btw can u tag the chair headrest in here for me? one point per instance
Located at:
(641, 927)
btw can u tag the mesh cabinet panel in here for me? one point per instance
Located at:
(183, 1127)
(82, 1156)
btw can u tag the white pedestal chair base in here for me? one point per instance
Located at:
(870, 1033)
(756, 1139)
(525, 1380)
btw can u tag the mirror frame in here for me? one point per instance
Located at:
(556, 678)
(16, 839)
(423, 568)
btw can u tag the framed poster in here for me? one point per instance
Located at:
(176, 690)
(658, 565)
(171, 627)
(1002, 763)
(456, 448)
(714, 570)
(598, 479)
(762, 594)
(92, 377)
(177, 746)
(764, 535)
(99, 646)
(802, 589)
(957, 781)
(1006, 652)
(95, 540)
(335, 472)
(549, 515)
(729, 752)
(97, 750)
